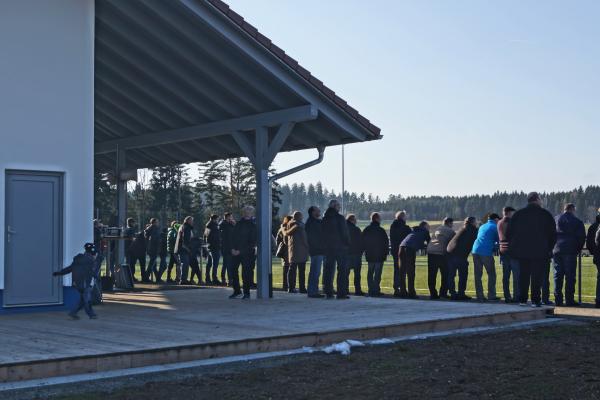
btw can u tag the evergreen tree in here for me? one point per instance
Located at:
(211, 188)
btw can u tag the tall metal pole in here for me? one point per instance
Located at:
(343, 182)
(263, 214)
(121, 203)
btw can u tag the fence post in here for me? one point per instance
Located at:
(579, 277)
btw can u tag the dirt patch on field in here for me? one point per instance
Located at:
(544, 362)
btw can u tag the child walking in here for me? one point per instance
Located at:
(85, 267)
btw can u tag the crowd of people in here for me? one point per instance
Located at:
(332, 246)
(528, 241)
(228, 244)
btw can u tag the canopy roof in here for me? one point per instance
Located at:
(185, 80)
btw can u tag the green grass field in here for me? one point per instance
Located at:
(588, 289)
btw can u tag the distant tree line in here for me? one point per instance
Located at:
(169, 193)
(435, 208)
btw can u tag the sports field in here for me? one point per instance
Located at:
(588, 289)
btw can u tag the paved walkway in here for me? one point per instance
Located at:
(150, 320)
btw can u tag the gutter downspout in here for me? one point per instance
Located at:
(318, 160)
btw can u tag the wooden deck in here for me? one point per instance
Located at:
(161, 327)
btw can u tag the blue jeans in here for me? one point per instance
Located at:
(316, 263)
(332, 260)
(354, 262)
(565, 268)
(152, 267)
(462, 266)
(184, 265)
(510, 265)
(213, 262)
(85, 302)
(374, 277)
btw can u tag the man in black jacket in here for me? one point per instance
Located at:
(244, 252)
(316, 247)
(459, 249)
(131, 247)
(212, 236)
(183, 249)
(226, 227)
(137, 253)
(152, 236)
(531, 236)
(337, 240)
(399, 230)
(570, 239)
(355, 251)
(590, 243)
(376, 245)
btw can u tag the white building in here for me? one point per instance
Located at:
(154, 82)
(47, 144)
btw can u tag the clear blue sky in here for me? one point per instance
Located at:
(472, 96)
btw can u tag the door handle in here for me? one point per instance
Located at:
(9, 232)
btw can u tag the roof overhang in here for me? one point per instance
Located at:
(189, 80)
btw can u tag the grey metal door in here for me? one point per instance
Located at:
(33, 239)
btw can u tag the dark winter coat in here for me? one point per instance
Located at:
(356, 243)
(128, 234)
(398, 232)
(183, 245)
(163, 246)
(417, 240)
(597, 242)
(462, 243)
(84, 268)
(213, 236)
(531, 233)
(376, 243)
(244, 236)
(335, 232)
(138, 245)
(297, 242)
(152, 235)
(570, 234)
(590, 241)
(226, 229)
(314, 231)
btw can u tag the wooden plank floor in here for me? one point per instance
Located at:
(162, 319)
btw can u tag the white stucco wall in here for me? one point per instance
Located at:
(46, 103)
